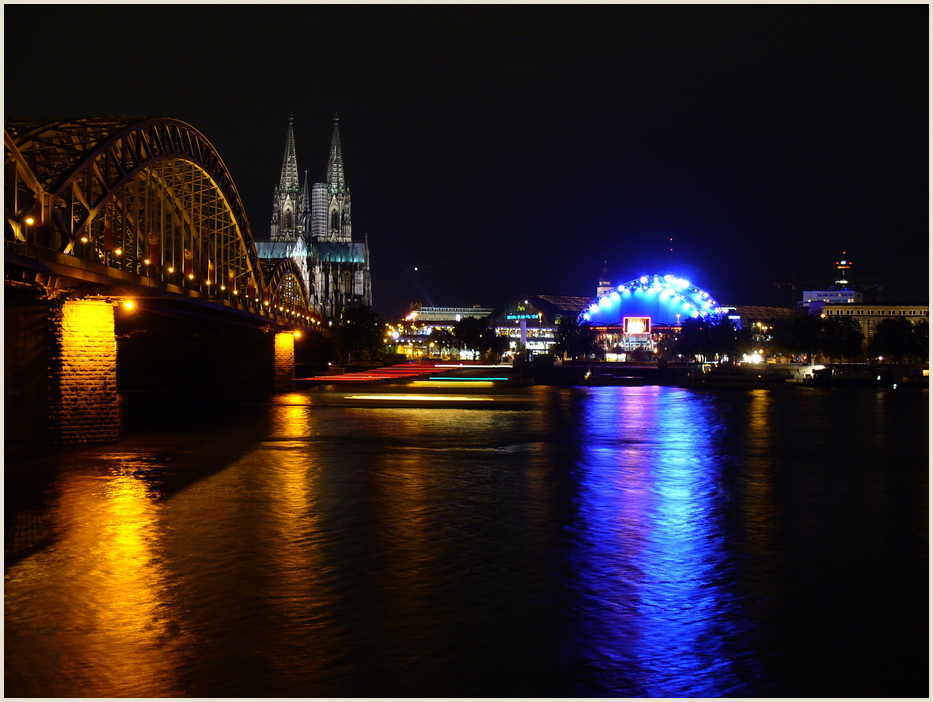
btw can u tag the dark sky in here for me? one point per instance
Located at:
(510, 150)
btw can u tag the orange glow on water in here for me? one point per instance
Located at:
(111, 540)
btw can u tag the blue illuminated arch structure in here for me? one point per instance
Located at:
(662, 300)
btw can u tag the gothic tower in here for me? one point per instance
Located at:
(286, 204)
(330, 200)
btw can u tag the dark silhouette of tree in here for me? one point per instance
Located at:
(920, 342)
(444, 339)
(477, 336)
(575, 340)
(841, 338)
(494, 344)
(799, 335)
(723, 337)
(693, 338)
(706, 337)
(895, 339)
(469, 332)
(360, 334)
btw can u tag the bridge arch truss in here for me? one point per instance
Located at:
(150, 197)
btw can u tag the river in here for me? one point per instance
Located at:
(606, 541)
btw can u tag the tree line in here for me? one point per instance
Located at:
(360, 335)
(802, 336)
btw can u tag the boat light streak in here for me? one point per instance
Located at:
(470, 380)
(418, 398)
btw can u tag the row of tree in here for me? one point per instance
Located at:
(471, 334)
(360, 335)
(802, 336)
(805, 336)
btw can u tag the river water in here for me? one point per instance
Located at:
(614, 541)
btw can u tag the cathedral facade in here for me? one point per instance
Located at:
(312, 226)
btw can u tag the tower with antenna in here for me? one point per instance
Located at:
(842, 266)
(605, 285)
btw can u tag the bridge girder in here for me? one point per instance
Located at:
(149, 196)
(287, 283)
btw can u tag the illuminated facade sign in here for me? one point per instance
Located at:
(521, 316)
(636, 325)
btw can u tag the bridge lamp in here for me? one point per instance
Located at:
(83, 239)
(296, 334)
(171, 269)
(117, 252)
(128, 304)
(30, 221)
(191, 276)
(223, 287)
(146, 261)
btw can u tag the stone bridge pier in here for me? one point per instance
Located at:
(68, 364)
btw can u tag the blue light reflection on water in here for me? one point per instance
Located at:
(657, 617)
(610, 541)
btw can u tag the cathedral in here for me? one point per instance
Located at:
(313, 228)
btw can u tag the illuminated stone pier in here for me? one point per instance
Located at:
(284, 362)
(60, 371)
(83, 372)
(71, 366)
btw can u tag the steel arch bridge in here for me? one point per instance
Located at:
(150, 198)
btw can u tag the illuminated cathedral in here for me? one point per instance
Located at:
(313, 227)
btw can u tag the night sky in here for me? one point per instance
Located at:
(511, 150)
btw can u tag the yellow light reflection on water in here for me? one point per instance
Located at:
(758, 493)
(104, 593)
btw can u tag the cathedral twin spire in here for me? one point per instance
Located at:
(311, 224)
(319, 211)
(289, 179)
(335, 177)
